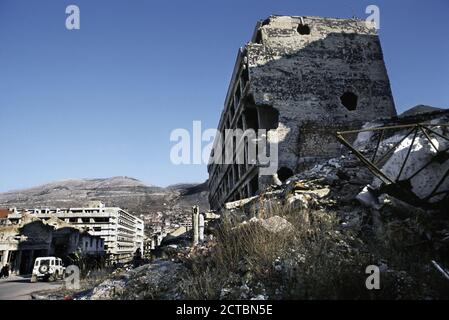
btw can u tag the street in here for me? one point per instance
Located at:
(20, 287)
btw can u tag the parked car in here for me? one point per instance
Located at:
(48, 268)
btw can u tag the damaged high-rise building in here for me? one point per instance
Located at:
(121, 232)
(304, 79)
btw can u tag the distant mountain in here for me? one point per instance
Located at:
(192, 194)
(127, 193)
(420, 109)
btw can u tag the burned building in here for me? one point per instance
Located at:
(303, 79)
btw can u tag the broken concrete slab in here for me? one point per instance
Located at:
(276, 224)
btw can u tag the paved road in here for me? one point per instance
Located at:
(20, 287)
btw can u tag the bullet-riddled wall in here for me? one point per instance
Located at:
(303, 78)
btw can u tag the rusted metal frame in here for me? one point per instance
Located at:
(436, 133)
(394, 147)
(428, 137)
(371, 166)
(379, 128)
(423, 129)
(401, 126)
(426, 165)
(443, 271)
(381, 135)
(408, 153)
(439, 192)
(431, 195)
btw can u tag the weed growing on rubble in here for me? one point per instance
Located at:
(310, 260)
(314, 259)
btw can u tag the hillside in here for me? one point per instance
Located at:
(124, 192)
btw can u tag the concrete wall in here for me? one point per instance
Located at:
(307, 78)
(304, 77)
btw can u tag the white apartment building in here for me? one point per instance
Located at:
(122, 232)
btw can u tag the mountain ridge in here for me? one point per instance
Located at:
(125, 192)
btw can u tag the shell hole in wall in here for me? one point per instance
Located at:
(349, 100)
(284, 173)
(258, 37)
(303, 29)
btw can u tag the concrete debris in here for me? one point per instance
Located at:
(422, 151)
(321, 193)
(367, 197)
(273, 224)
(413, 158)
(107, 290)
(157, 280)
(259, 297)
(342, 186)
(276, 224)
(239, 287)
(365, 137)
(339, 181)
(239, 203)
(332, 184)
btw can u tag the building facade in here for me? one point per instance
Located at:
(302, 79)
(122, 232)
(24, 240)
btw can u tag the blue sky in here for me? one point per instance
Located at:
(102, 101)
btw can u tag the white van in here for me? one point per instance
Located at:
(49, 268)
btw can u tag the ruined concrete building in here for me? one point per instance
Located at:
(122, 232)
(304, 79)
(25, 239)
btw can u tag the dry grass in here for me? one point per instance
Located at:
(313, 260)
(316, 260)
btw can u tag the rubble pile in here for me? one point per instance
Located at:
(330, 185)
(157, 280)
(357, 223)
(345, 185)
(365, 208)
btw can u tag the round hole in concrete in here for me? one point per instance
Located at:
(349, 100)
(284, 173)
(303, 29)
